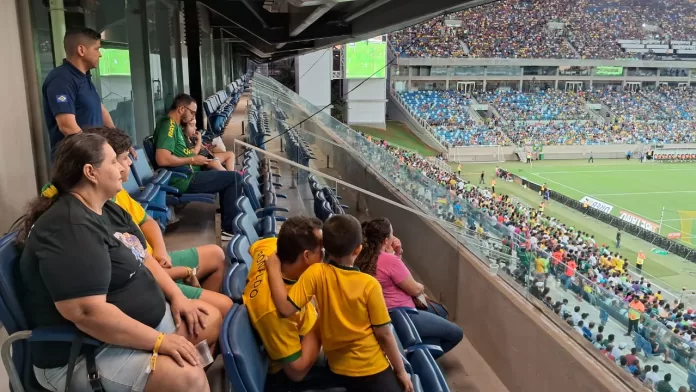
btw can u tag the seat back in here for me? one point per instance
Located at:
(141, 168)
(237, 282)
(11, 312)
(245, 364)
(240, 251)
(426, 368)
(149, 148)
(404, 328)
(131, 186)
(244, 224)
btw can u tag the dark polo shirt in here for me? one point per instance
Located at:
(68, 90)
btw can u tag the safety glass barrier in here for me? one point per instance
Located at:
(429, 246)
(507, 253)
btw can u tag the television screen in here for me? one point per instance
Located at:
(609, 71)
(366, 59)
(114, 62)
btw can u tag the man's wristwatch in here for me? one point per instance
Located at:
(194, 271)
(189, 273)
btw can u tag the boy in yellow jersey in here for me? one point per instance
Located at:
(292, 343)
(354, 321)
(198, 271)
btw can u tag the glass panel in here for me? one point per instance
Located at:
(502, 70)
(468, 71)
(43, 52)
(573, 70)
(540, 70)
(438, 71)
(674, 72)
(163, 68)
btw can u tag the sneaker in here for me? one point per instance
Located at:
(226, 236)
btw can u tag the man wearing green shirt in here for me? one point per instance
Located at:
(171, 151)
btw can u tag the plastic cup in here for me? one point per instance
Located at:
(204, 355)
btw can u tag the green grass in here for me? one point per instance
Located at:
(627, 185)
(399, 134)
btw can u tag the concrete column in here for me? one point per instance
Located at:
(141, 80)
(193, 47)
(218, 71)
(17, 172)
(57, 12)
(164, 22)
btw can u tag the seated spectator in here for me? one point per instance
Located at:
(658, 348)
(219, 160)
(291, 343)
(84, 264)
(198, 271)
(172, 151)
(377, 258)
(354, 324)
(663, 385)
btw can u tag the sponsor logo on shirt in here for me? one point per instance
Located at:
(171, 128)
(61, 98)
(638, 221)
(597, 205)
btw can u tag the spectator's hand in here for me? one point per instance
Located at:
(198, 136)
(187, 310)
(192, 281)
(200, 160)
(163, 259)
(405, 381)
(396, 246)
(272, 262)
(179, 349)
(133, 153)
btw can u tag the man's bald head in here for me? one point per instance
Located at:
(79, 36)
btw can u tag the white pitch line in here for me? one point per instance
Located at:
(616, 171)
(642, 193)
(614, 204)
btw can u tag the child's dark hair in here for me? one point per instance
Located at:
(296, 236)
(342, 235)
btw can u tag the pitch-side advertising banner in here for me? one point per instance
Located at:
(596, 204)
(638, 221)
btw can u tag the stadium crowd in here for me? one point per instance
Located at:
(551, 117)
(520, 29)
(550, 251)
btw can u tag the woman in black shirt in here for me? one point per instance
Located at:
(84, 264)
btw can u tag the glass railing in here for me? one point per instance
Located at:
(477, 228)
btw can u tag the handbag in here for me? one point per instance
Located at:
(432, 306)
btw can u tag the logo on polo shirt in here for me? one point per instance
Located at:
(61, 98)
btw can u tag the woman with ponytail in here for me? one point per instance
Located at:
(381, 258)
(83, 264)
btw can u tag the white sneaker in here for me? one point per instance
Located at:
(225, 236)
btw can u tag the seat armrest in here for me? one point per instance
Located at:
(60, 334)
(435, 350)
(404, 309)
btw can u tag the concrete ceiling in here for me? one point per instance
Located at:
(270, 30)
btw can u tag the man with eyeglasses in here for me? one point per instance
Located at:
(171, 150)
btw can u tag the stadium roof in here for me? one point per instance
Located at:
(269, 30)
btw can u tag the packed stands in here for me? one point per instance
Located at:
(553, 117)
(448, 113)
(544, 105)
(521, 29)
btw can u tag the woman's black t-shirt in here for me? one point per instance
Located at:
(72, 252)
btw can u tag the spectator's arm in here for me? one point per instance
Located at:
(107, 323)
(311, 344)
(166, 158)
(106, 116)
(60, 95)
(411, 287)
(153, 235)
(67, 124)
(286, 303)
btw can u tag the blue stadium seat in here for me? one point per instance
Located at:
(235, 282)
(238, 250)
(429, 373)
(246, 364)
(408, 335)
(17, 362)
(244, 205)
(254, 228)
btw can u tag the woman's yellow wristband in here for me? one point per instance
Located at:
(155, 350)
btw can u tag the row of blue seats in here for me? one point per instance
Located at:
(326, 202)
(296, 148)
(219, 106)
(258, 127)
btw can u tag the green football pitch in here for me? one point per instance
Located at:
(640, 189)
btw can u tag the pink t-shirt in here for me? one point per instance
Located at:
(390, 272)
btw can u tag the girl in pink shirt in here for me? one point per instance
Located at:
(381, 258)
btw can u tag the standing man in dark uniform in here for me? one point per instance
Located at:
(70, 100)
